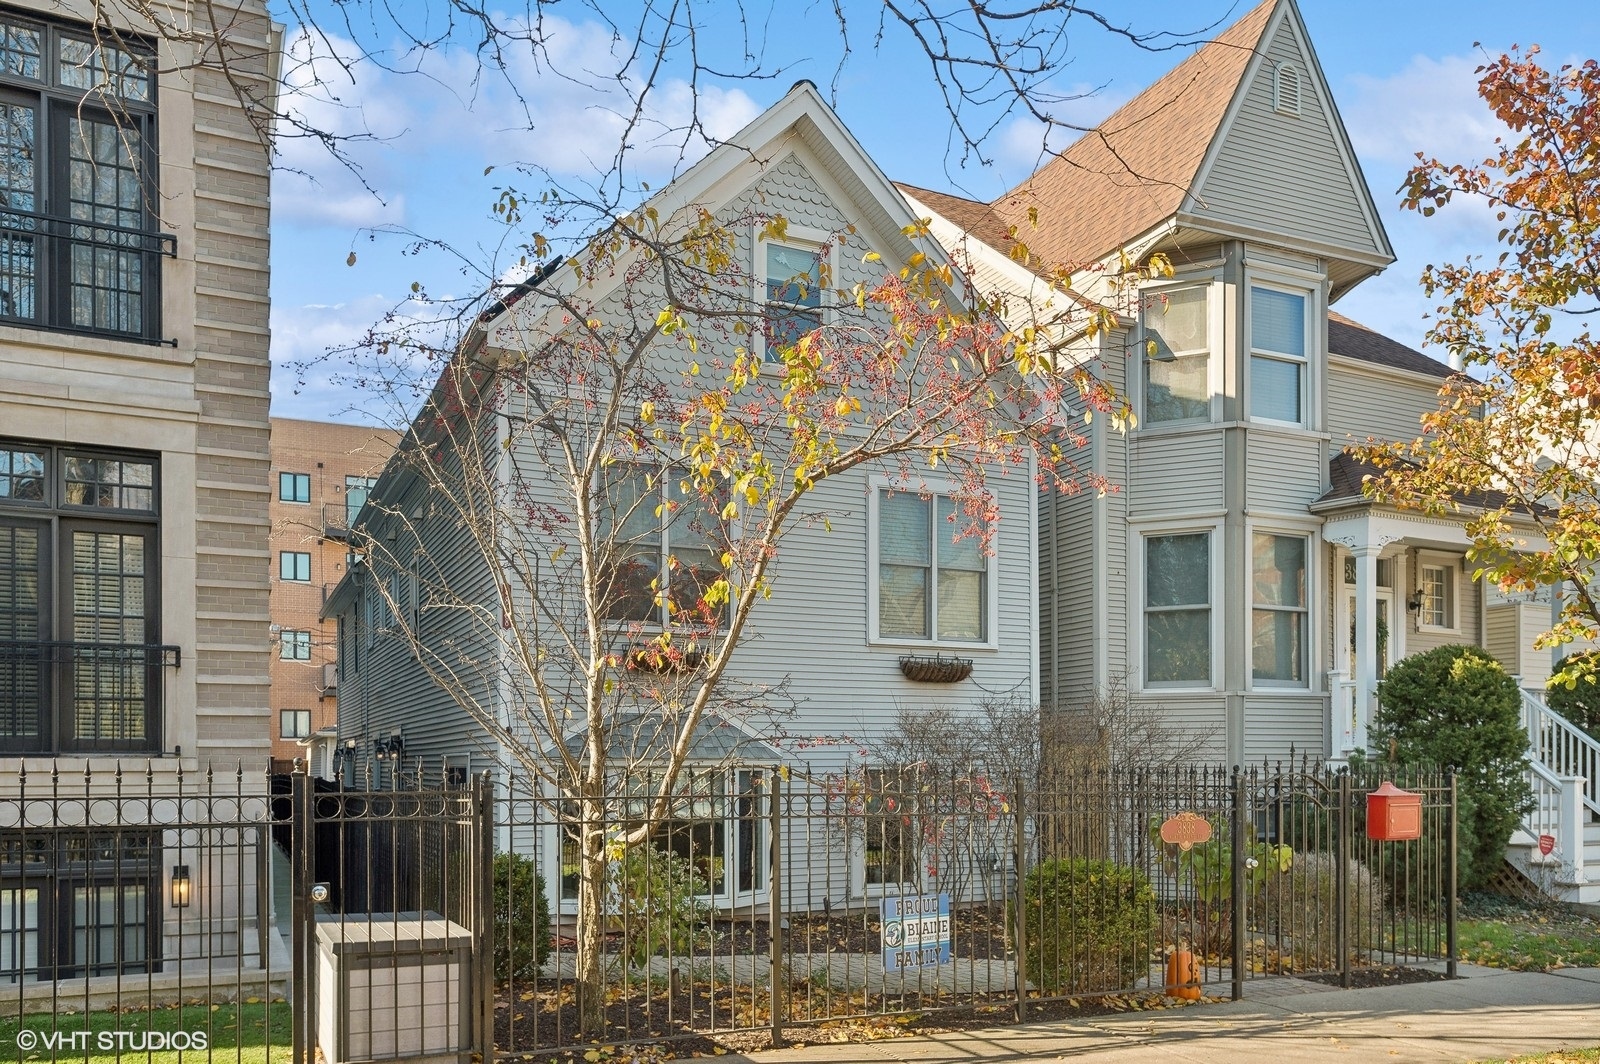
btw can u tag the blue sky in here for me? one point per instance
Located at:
(1401, 74)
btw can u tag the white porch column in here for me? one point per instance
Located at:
(1366, 653)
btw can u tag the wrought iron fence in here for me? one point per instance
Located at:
(757, 903)
(427, 913)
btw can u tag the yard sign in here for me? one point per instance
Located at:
(916, 932)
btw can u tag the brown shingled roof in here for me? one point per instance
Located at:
(1354, 340)
(973, 216)
(1131, 172)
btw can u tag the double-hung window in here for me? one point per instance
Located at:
(79, 247)
(665, 544)
(1177, 355)
(1277, 355)
(80, 664)
(792, 278)
(1279, 612)
(1177, 610)
(932, 576)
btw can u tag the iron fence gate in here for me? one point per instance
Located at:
(391, 921)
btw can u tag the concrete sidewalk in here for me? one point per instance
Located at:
(1486, 1014)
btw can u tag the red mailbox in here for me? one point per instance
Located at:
(1394, 815)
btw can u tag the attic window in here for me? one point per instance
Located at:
(1286, 90)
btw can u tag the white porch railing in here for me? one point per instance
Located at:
(1564, 771)
(1557, 815)
(1344, 723)
(1562, 748)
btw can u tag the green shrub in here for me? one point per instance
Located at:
(1300, 907)
(1574, 690)
(521, 918)
(1090, 925)
(1457, 708)
(657, 896)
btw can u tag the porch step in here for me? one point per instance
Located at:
(1547, 874)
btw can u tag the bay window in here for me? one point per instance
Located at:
(1279, 611)
(1177, 610)
(932, 580)
(1177, 356)
(1277, 355)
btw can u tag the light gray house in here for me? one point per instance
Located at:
(874, 577)
(1238, 579)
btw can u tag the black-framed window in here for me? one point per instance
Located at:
(294, 565)
(80, 655)
(80, 249)
(294, 723)
(294, 487)
(294, 645)
(77, 903)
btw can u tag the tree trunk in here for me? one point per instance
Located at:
(591, 918)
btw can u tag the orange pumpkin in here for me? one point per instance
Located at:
(1183, 976)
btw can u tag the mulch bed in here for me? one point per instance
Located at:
(1361, 978)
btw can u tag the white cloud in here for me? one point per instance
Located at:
(1431, 106)
(364, 111)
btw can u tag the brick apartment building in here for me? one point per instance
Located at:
(320, 475)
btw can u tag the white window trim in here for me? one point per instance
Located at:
(1136, 586)
(877, 484)
(1451, 564)
(1252, 282)
(801, 238)
(1314, 553)
(1213, 343)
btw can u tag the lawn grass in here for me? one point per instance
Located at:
(1530, 941)
(246, 1033)
(1560, 1056)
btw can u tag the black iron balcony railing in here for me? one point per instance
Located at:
(62, 697)
(82, 275)
(335, 520)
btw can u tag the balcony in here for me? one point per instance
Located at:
(330, 679)
(75, 275)
(59, 697)
(335, 521)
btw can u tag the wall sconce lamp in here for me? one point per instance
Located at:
(180, 886)
(389, 748)
(1414, 603)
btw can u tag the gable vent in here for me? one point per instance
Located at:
(1286, 90)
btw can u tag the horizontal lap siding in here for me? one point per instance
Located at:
(1284, 471)
(1468, 616)
(1175, 474)
(1362, 405)
(1277, 726)
(1284, 172)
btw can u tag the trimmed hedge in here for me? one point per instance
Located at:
(1456, 707)
(1090, 925)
